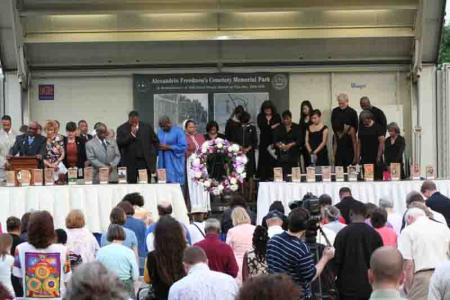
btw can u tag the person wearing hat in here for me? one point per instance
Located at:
(197, 227)
(274, 221)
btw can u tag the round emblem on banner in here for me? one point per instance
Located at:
(142, 85)
(279, 81)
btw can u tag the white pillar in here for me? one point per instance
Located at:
(13, 99)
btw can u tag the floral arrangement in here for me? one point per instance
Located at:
(235, 161)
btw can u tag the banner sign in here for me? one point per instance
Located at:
(205, 97)
(46, 92)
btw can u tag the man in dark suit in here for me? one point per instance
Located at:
(435, 200)
(83, 129)
(30, 143)
(378, 115)
(138, 146)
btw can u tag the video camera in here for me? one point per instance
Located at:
(311, 204)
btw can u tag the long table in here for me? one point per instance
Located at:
(364, 191)
(96, 201)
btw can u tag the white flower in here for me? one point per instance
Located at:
(243, 175)
(216, 192)
(196, 162)
(207, 183)
(220, 187)
(219, 145)
(240, 169)
(234, 187)
(198, 174)
(219, 141)
(235, 148)
(233, 181)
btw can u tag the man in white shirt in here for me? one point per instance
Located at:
(7, 140)
(200, 282)
(197, 227)
(424, 244)
(440, 283)
(274, 221)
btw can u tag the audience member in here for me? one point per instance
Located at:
(435, 200)
(93, 281)
(119, 259)
(378, 221)
(354, 245)
(424, 245)
(393, 218)
(7, 140)
(331, 216)
(220, 255)
(75, 149)
(370, 208)
(13, 226)
(135, 225)
(164, 209)
(61, 236)
(24, 226)
(81, 243)
(268, 120)
(278, 206)
(269, 287)
(237, 200)
(6, 262)
(240, 236)
(415, 199)
(197, 227)
(140, 212)
(83, 131)
(255, 263)
(274, 222)
(138, 145)
(288, 254)
(344, 114)
(118, 217)
(344, 192)
(386, 274)
(103, 153)
(4, 293)
(41, 260)
(378, 114)
(346, 204)
(317, 139)
(172, 147)
(164, 264)
(440, 283)
(200, 282)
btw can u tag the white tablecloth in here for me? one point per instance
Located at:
(364, 191)
(96, 201)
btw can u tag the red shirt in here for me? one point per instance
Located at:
(388, 236)
(220, 255)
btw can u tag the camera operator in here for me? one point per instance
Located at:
(287, 253)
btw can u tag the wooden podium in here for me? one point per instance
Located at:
(23, 163)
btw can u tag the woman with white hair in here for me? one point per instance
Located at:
(394, 146)
(240, 237)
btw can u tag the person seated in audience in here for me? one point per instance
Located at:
(278, 206)
(236, 199)
(61, 236)
(288, 254)
(140, 212)
(32, 259)
(424, 245)
(394, 147)
(393, 218)
(103, 153)
(269, 287)
(255, 263)
(435, 200)
(440, 283)
(197, 227)
(274, 223)
(75, 149)
(386, 274)
(119, 258)
(354, 245)
(371, 143)
(220, 255)
(94, 281)
(379, 221)
(83, 131)
(54, 151)
(164, 209)
(316, 140)
(378, 114)
(118, 217)
(331, 215)
(81, 243)
(240, 236)
(164, 265)
(24, 226)
(347, 203)
(6, 262)
(137, 226)
(13, 227)
(212, 131)
(29, 144)
(200, 282)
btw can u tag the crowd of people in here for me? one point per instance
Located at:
(363, 251)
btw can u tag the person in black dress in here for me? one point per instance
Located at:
(305, 111)
(267, 120)
(246, 137)
(287, 139)
(371, 143)
(344, 145)
(216, 162)
(394, 146)
(316, 140)
(378, 115)
(344, 113)
(233, 124)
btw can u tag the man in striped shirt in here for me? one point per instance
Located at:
(287, 253)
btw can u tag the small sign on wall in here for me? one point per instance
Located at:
(46, 92)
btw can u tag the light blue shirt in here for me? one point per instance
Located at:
(202, 283)
(119, 259)
(130, 239)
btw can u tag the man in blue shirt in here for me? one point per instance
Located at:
(287, 253)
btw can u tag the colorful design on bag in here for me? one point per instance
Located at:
(42, 275)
